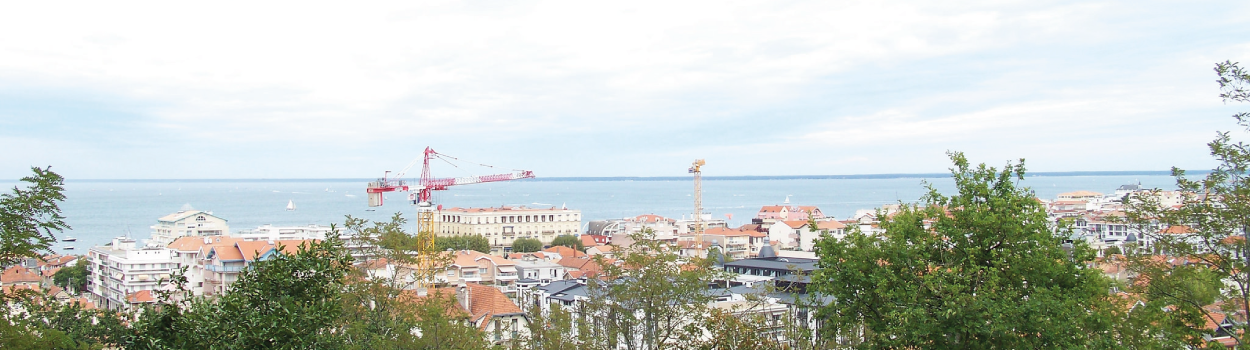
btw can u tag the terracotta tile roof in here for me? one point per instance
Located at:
(589, 241)
(565, 251)
(225, 252)
(464, 258)
(18, 274)
(772, 208)
(143, 296)
(487, 301)
(189, 243)
(252, 249)
(454, 309)
(1178, 229)
(49, 272)
(583, 264)
(830, 225)
(795, 223)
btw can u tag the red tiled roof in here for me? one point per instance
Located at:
(565, 251)
(830, 225)
(18, 274)
(487, 301)
(143, 296)
(796, 223)
(589, 241)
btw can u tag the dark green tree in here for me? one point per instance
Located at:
(289, 301)
(570, 241)
(30, 217)
(526, 245)
(979, 269)
(72, 278)
(463, 242)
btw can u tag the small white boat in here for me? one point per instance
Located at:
(290, 205)
(68, 239)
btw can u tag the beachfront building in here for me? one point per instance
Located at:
(119, 270)
(503, 225)
(187, 222)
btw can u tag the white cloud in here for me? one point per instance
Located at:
(519, 76)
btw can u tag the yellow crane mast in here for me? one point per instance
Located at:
(696, 169)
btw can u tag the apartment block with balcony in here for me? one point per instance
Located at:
(121, 269)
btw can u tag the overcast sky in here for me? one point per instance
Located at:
(122, 90)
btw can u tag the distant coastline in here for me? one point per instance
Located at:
(707, 178)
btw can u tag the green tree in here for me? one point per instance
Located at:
(526, 245)
(289, 301)
(30, 217)
(978, 269)
(72, 278)
(1208, 233)
(463, 242)
(652, 299)
(570, 241)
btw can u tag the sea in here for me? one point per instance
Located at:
(99, 210)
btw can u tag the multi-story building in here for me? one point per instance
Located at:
(121, 269)
(187, 222)
(503, 225)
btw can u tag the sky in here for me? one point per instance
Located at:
(306, 89)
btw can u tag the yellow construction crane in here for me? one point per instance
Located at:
(696, 169)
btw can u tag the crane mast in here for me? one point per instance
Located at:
(696, 169)
(420, 196)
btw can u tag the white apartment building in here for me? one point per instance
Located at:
(121, 269)
(503, 225)
(187, 222)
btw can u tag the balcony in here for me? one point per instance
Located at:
(218, 268)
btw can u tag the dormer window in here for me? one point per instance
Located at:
(200, 218)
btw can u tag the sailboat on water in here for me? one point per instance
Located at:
(290, 205)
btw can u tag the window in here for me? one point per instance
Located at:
(481, 271)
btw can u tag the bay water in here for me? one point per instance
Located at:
(98, 210)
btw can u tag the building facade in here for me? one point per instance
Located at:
(188, 222)
(502, 226)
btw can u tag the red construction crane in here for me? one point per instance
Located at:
(428, 183)
(426, 210)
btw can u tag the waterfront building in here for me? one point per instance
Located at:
(187, 222)
(503, 225)
(738, 243)
(121, 269)
(619, 231)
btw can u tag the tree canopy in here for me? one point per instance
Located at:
(30, 217)
(978, 269)
(570, 241)
(526, 245)
(462, 242)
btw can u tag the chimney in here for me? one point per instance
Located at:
(462, 294)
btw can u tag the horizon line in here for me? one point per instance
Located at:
(675, 178)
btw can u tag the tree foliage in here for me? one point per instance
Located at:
(463, 242)
(570, 241)
(30, 217)
(1203, 268)
(979, 269)
(72, 278)
(526, 245)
